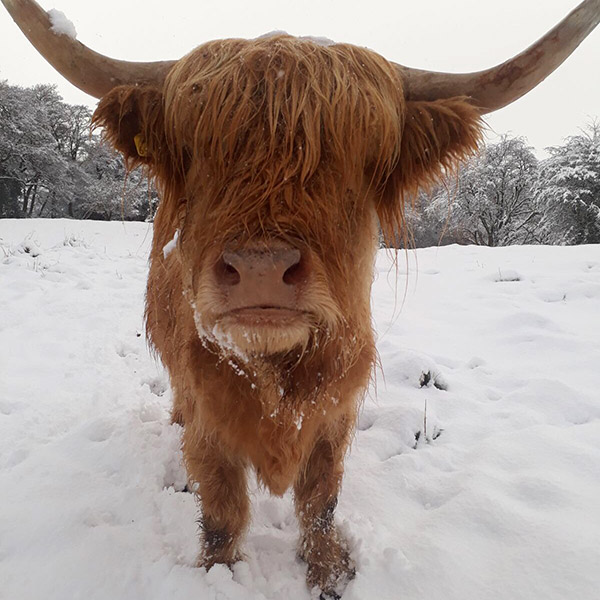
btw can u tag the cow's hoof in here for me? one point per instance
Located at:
(331, 577)
(225, 557)
(329, 596)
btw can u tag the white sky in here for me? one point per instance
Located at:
(462, 35)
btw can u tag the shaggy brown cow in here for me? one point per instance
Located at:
(277, 161)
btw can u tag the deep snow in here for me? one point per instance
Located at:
(498, 499)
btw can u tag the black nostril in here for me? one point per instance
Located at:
(226, 273)
(296, 273)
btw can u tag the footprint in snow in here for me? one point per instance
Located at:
(366, 420)
(158, 385)
(99, 430)
(124, 349)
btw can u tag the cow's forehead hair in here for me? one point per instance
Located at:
(285, 104)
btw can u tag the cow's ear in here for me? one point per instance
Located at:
(133, 121)
(437, 136)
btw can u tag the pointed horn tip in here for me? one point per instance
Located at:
(53, 36)
(495, 88)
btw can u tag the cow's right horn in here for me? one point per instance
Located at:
(497, 87)
(91, 72)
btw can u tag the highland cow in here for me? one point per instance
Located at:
(279, 161)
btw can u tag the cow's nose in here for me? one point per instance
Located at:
(262, 276)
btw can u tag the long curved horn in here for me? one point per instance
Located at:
(496, 87)
(91, 72)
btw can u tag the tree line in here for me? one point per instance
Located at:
(52, 165)
(505, 196)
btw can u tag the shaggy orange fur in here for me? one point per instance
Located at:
(315, 146)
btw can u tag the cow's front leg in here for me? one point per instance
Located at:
(220, 486)
(321, 545)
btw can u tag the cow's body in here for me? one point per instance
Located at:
(268, 372)
(280, 396)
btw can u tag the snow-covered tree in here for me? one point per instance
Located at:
(569, 185)
(111, 192)
(492, 202)
(50, 165)
(489, 202)
(36, 161)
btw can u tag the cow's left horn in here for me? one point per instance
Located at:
(91, 72)
(496, 87)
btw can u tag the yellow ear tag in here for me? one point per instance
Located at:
(140, 144)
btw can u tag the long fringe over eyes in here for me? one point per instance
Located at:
(276, 130)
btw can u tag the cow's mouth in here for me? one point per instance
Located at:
(262, 330)
(263, 315)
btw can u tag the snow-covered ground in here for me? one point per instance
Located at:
(498, 498)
